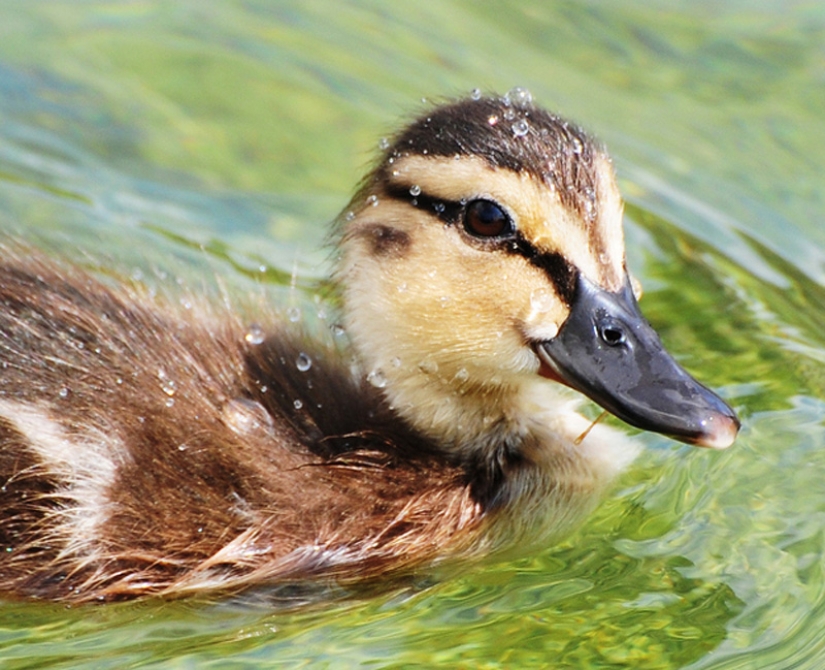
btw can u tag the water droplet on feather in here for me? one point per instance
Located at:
(255, 334)
(303, 362)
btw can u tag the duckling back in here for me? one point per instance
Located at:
(146, 451)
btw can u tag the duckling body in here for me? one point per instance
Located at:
(150, 449)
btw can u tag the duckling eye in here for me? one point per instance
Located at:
(484, 218)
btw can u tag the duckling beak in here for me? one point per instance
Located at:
(608, 351)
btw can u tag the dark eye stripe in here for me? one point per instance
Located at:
(447, 211)
(559, 271)
(563, 275)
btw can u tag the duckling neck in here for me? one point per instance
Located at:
(521, 437)
(466, 421)
(536, 465)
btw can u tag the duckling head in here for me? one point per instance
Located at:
(484, 253)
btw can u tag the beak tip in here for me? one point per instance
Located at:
(720, 431)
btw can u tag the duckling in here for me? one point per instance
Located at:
(149, 449)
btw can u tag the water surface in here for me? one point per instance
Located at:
(222, 137)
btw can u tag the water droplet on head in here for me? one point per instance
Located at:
(520, 96)
(395, 362)
(63, 392)
(303, 362)
(577, 145)
(293, 314)
(338, 330)
(254, 334)
(520, 128)
(170, 402)
(475, 94)
(415, 190)
(297, 404)
(383, 143)
(376, 378)
(462, 375)
(492, 119)
(509, 114)
(372, 200)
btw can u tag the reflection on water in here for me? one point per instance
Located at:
(150, 132)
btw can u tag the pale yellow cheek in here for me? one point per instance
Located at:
(452, 311)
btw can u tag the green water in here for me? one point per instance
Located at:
(142, 130)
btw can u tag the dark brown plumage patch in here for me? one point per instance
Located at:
(517, 137)
(325, 481)
(386, 241)
(27, 494)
